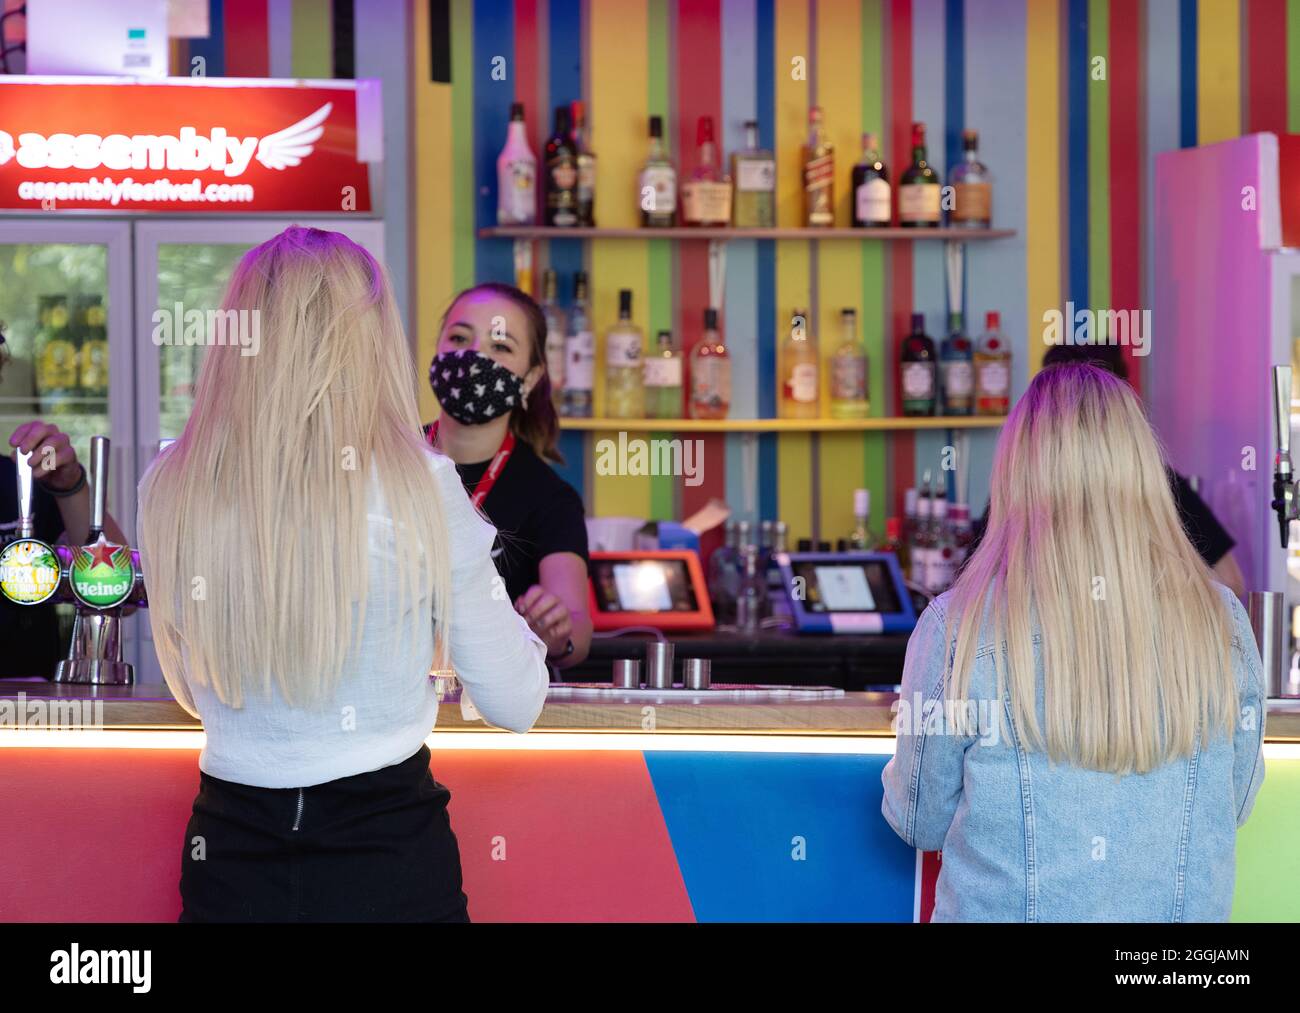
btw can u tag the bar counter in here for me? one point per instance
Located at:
(619, 806)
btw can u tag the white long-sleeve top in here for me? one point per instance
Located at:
(385, 703)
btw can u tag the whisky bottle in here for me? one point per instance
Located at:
(818, 174)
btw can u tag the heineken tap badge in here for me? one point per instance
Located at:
(102, 574)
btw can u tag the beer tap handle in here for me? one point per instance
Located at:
(1284, 496)
(26, 524)
(99, 448)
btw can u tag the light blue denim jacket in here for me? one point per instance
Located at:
(1027, 840)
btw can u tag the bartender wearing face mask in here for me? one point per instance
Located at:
(499, 426)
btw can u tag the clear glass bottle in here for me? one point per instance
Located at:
(818, 174)
(800, 371)
(942, 556)
(862, 538)
(752, 593)
(753, 205)
(657, 186)
(586, 161)
(972, 187)
(624, 369)
(992, 369)
(919, 571)
(957, 369)
(579, 355)
(710, 372)
(663, 379)
(706, 194)
(556, 338)
(849, 371)
(872, 204)
(517, 174)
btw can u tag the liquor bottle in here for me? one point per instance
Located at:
(722, 570)
(657, 186)
(849, 371)
(918, 187)
(754, 172)
(555, 337)
(972, 187)
(624, 370)
(862, 538)
(516, 174)
(956, 370)
(992, 369)
(663, 380)
(586, 161)
(916, 363)
(710, 372)
(909, 517)
(579, 355)
(752, 592)
(895, 543)
(706, 194)
(800, 371)
(561, 173)
(871, 193)
(942, 554)
(94, 354)
(920, 555)
(818, 174)
(56, 361)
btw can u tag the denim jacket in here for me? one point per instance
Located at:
(1024, 839)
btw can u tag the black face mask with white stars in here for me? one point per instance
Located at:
(473, 389)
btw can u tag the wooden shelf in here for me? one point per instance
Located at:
(784, 425)
(724, 233)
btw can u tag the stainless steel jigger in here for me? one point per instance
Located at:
(95, 654)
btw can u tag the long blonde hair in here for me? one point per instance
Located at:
(253, 525)
(1084, 545)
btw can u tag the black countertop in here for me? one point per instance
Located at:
(769, 657)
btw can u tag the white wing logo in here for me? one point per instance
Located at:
(6, 147)
(294, 143)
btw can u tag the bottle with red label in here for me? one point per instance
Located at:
(992, 369)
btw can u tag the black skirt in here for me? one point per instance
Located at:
(375, 847)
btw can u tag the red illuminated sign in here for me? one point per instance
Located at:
(183, 146)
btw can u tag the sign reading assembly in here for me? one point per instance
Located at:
(187, 146)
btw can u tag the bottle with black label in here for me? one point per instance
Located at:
(561, 173)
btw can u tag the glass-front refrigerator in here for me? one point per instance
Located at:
(182, 266)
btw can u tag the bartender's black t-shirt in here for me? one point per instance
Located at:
(29, 634)
(536, 513)
(1203, 530)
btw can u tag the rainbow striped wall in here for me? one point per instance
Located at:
(1072, 99)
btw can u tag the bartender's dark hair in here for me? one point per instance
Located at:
(1108, 357)
(537, 425)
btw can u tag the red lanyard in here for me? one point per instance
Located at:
(494, 468)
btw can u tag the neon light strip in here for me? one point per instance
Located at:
(596, 742)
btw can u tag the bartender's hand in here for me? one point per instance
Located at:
(55, 463)
(546, 616)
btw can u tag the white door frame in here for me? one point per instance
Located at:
(149, 236)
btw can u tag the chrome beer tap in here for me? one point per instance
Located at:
(1285, 502)
(101, 578)
(1267, 609)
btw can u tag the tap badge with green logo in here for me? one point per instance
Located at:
(29, 571)
(102, 575)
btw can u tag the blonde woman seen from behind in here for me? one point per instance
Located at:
(1096, 765)
(300, 544)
